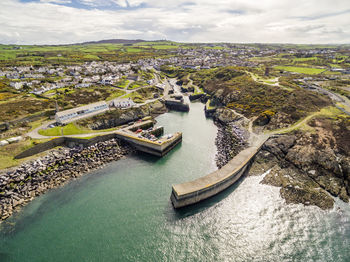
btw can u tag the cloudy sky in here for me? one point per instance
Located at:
(239, 21)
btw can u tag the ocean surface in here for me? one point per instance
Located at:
(123, 213)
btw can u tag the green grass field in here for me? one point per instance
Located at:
(331, 73)
(122, 83)
(301, 70)
(136, 84)
(70, 129)
(136, 97)
(302, 59)
(115, 94)
(164, 46)
(92, 57)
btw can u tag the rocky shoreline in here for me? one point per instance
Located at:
(231, 137)
(229, 142)
(21, 185)
(305, 173)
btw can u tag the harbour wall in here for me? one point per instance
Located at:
(150, 147)
(140, 144)
(177, 105)
(205, 187)
(63, 141)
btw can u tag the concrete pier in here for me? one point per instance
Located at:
(160, 147)
(192, 192)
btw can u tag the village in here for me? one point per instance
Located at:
(41, 79)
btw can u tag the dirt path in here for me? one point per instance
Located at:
(191, 84)
(296, 125)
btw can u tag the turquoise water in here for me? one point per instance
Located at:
(123, 213)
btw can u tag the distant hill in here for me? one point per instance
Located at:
(119, 41)
(115, 41)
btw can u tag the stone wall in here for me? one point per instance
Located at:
(41, 147)
(63, 141)
(177, 105)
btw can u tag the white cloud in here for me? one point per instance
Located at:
(312, 21)
(56, 1)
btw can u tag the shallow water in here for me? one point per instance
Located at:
(123, 213)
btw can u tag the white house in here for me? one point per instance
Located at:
(16, 85)
(123, 103)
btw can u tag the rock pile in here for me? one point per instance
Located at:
(21, 185)
(229, 141)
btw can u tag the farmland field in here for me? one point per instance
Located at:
(301, 70)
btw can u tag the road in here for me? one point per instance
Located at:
(344, 101)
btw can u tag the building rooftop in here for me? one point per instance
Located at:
(77, 109)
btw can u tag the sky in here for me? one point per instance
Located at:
(236, 21)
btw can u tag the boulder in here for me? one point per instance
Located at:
(225, 115)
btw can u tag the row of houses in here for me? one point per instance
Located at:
(78, 113)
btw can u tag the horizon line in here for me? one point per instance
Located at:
(167, 40)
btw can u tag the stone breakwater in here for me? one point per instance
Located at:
(20, 186)
(230, 140)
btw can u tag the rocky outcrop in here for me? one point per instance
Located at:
(193, 97)
(226, 116)
(310, 168)
(20, 186)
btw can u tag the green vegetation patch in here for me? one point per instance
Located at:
(302, 59)
(70, 54)
(70, 129)
(143, 94)
(146, 75)
(122, 83)
(133, 50)
(115, 94)
(8, 152)
(23, 106)
(301, 70)
(136, 84)
(92, 57)
(164, 46)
